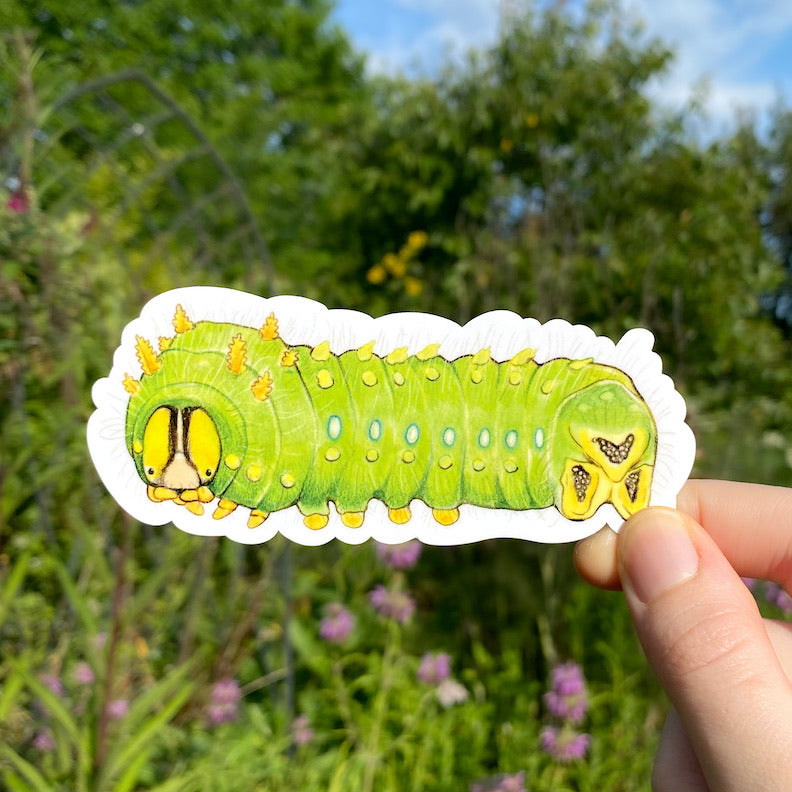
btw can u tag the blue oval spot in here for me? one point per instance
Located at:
(375, 429)
(511, 438)
(484, 438)
(412, 434)
(449, 436)
(539, 437)
(334, 427)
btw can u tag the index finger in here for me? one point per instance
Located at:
(751, 523)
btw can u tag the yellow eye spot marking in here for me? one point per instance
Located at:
(523, 356)
(476, 375)
(288, 358)
(137, 446)
(400, 516)
(445, 516)
(315, 521)
(481, 357)
(164, 343)
(324, 379)
(237, 354)
(432, 374)
(256, 518)
(262, 387)
(232, 461)
(397, 356)
(576, 365)
(428, 352)
(408, 456)
(149, 361)
(352, 519)
(445, 462)
(366, 351)
(321, 352)
(269, 329)
(253, 472)
(224, 508)
(287, 480)
(203, 443)
(156, 443)
(398, 378)
(181, 322)
(372, 455)
(369, 378)
(332, 454)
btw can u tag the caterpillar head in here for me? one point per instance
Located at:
(605, 435)
(181, 448)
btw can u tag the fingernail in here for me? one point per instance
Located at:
(656, 553)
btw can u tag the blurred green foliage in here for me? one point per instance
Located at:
(149, 144)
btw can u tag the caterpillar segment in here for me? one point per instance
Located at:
(234, 413)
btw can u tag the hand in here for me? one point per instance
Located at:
(726, 670)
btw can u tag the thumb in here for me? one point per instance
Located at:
(704, 636)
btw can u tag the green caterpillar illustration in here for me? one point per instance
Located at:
(235, 413)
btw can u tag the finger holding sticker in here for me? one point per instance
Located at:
(726, 670)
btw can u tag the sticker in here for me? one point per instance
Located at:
(234, 415)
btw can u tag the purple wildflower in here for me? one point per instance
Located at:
(450, 692)
(750, 583)
(117, 708)
(567, 697)
(504, 782)
(44, 741)
(83, 674)
(399, 556)
(224, 701)
(52, 682)
(779, 597)
(302, 733)
(564, 745)
(18, 202)
(392, 604)
(434, 668)
(337, 623)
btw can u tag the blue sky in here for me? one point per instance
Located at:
(741, 48)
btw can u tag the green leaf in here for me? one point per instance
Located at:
(76, 599)
(26, 770)
(12, 583)
(55, 707)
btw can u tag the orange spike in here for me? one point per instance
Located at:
(164, 343)
(181, 322)
(149, 361)
(262, 387)
(289, 357)
(131, 385)
(237, 353)
(270, 328)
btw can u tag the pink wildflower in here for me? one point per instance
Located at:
(399, 556)
(779, 597)
(337, 623)
(44, 741)
(567, 697)
(450, 692)
(52, 682)
(302, 733)
(117, 708)
(83, 674)
(504, 782)
(224, 701)
(564, 745)
(434, 668)
(19, 202)
(392, 604)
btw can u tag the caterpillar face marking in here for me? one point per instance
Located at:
(234, 413)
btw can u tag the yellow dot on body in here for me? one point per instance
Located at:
(332, 454)
(324, 379)
(232, 461)
(510, 466)
(576, 365)
(137, 446)
(476, 375)
(445, 462)
(432, 373)
(398, 378)
(548, 386)
(372, 455)
(315, 521)
(515, 377)
(253, 472)
(408, 456)
(287, 480)
(478, 465)
(369, 378)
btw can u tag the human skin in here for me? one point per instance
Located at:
(726, 669)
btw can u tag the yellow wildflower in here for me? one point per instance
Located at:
(376, 274)
(413, 286)
(417, 239)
